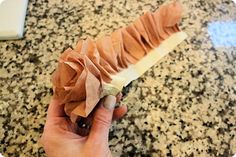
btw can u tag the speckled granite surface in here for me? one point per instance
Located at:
(184, 106)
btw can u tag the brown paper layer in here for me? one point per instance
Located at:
(81, 72)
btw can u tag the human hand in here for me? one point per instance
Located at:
(60, 137)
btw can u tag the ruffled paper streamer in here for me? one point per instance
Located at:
(96, 68)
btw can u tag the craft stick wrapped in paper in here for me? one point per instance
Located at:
(96, 68)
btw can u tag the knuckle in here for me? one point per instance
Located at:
(102, 121)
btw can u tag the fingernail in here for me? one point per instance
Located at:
(109, 102)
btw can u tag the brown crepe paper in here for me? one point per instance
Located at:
(80, 75)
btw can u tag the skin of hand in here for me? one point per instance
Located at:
(60, 139)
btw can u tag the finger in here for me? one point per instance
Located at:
(102, 120)
(84, 124)
(119, 112)
(55, 109)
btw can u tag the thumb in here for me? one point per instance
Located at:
(102, 120)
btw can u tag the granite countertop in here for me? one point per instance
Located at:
(183, 106)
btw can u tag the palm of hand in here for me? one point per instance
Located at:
(60, 137)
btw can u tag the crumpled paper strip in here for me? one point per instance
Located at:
(96, 68)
